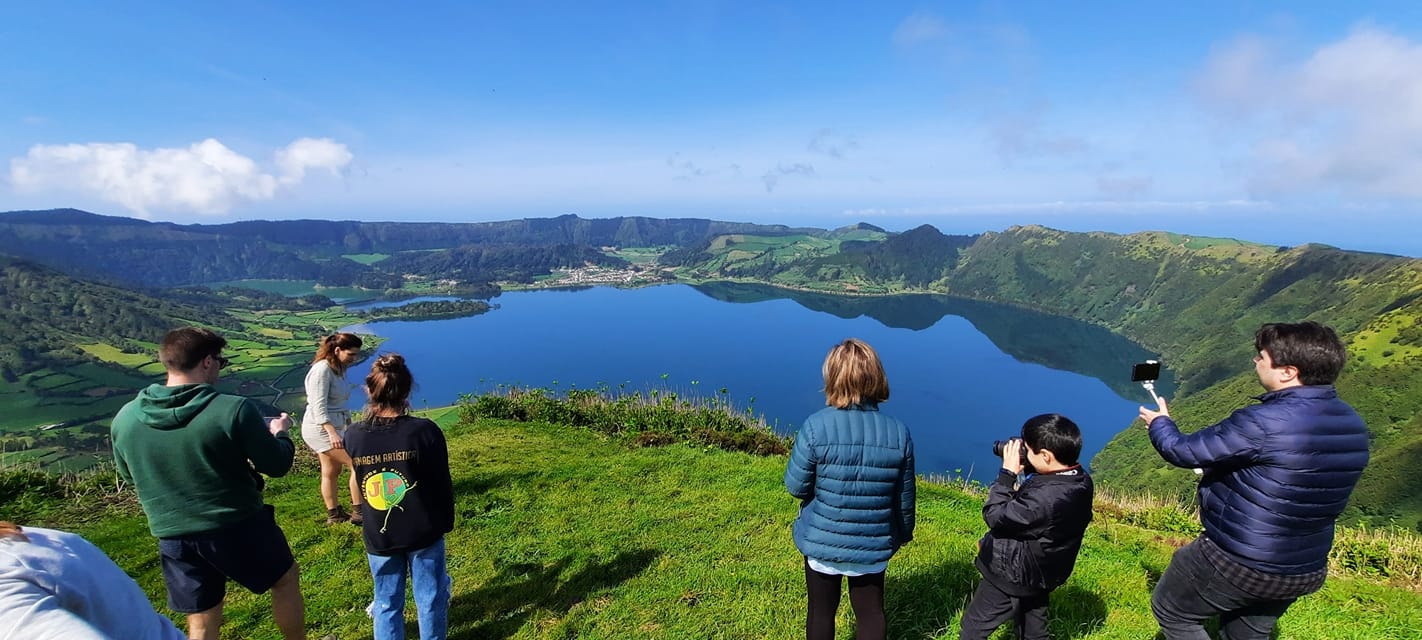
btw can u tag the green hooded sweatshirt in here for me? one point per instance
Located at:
(187, 450)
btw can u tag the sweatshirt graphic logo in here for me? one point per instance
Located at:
(384, 490)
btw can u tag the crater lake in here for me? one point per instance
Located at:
(961, 373)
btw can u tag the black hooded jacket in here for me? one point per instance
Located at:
(1034, 531)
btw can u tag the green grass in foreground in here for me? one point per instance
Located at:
(564, 533)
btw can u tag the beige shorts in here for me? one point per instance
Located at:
(316, 437)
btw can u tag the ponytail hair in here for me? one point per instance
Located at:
(329, 344)
(388, 385)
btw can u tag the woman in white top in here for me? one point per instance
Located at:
(323, 427)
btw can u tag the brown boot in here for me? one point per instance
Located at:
(356, 518)
(337, 515)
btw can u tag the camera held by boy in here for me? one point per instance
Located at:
(1035, 528)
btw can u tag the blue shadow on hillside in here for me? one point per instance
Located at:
(501, 606)
(924, 604)
(481, 483)
(927, 604)
(1075, 612)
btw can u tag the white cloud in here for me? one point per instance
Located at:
(311, 153)
(1239, 75)
(918, 28)
(1123, 187)
(1347, 117)
(772, 177)
(1019, 135)
(829, 143)
(204, 178)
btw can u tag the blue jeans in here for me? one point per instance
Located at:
(431, 580)
(1193, 590)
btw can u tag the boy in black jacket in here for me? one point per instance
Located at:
(1034, 529)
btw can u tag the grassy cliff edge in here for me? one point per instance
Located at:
(565, 532)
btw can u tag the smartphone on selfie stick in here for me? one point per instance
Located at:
(1147, 373)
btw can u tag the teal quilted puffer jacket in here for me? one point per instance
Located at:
(852, 470)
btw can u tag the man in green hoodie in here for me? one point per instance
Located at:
(196, 457)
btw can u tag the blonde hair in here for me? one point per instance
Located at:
(11, 531)
(853, 375)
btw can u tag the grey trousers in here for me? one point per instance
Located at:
(1193, 590)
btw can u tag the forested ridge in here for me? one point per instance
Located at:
(510, 262)
(44, 314)
(1196, 301)
(162, 254)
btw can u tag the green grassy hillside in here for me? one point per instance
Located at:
(1199, 304)
(1197, 301)
(564, 533)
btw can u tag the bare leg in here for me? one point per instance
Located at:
(357, 498)
(287, 606)
(342, 458)
(330, 471)
(205, 625)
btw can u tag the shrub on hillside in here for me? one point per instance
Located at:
(25, 493)
(1392, 554)
(651, 418)
(30, 495)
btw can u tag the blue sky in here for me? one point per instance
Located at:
(1270, 121)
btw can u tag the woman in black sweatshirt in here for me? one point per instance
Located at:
(403, 464)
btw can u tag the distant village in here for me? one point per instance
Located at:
(589, 275)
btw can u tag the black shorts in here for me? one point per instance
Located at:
(253, 553)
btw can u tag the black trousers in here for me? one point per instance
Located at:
(866, 596)
(991, 607)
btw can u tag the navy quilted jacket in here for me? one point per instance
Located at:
(852, 470)
(1277, 474)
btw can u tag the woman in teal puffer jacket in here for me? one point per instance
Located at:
(852, 469)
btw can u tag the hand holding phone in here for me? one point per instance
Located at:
(278, 424)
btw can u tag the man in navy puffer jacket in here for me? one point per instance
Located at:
(1276, 477)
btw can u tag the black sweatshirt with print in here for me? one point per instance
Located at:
(403, 467)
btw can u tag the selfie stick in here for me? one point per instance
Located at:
(1149, 385)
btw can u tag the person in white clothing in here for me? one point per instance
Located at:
(56, 585)
(323, 426)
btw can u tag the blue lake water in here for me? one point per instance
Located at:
(380, 304)
(961, 373)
